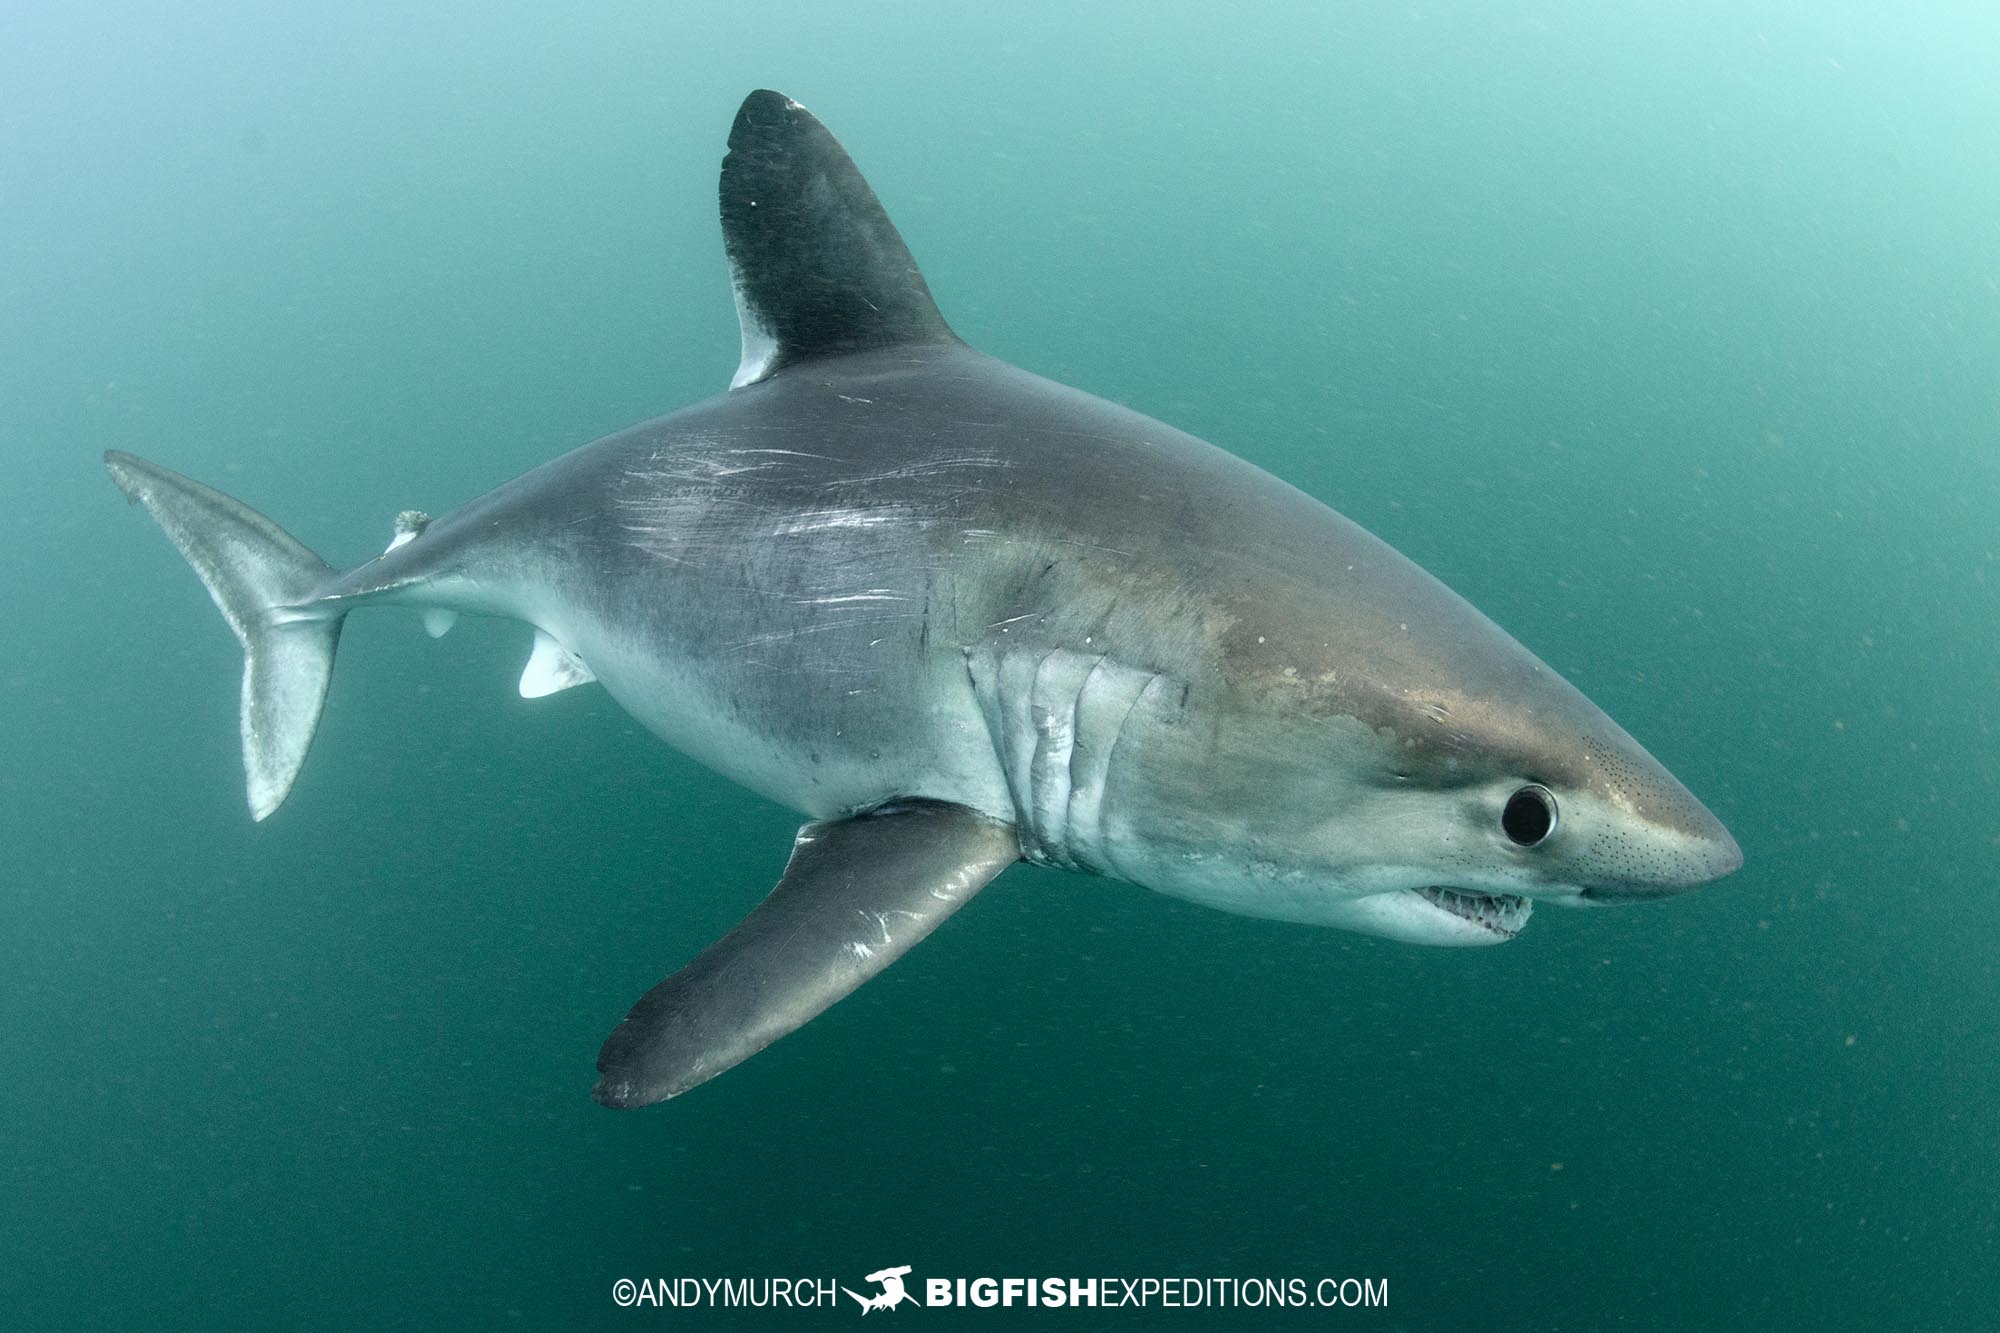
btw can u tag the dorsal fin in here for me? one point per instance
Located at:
(818, 267)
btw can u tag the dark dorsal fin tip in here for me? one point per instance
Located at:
(818, 267)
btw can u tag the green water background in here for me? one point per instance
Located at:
(1667, 333)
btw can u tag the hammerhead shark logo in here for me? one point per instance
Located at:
(893, 1292)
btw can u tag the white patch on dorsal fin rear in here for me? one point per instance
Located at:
(760, 345)
(408, 524)
(438, 621)
(551, 668)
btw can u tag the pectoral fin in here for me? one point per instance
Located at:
(855, 896)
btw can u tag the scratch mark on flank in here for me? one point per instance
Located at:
(872, 595)
(788, 453)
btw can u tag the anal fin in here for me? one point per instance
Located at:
(856, 895)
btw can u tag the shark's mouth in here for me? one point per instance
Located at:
(1502, 913)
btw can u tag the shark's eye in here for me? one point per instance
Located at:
(1530, 815)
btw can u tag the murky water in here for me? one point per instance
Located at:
(1669, 335)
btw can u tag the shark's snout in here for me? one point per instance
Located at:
(1698, 851)
(1725, 857)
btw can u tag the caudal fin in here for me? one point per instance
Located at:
(264, 582)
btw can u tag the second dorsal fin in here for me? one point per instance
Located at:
(819, 269)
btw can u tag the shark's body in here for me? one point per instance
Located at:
(961, 615)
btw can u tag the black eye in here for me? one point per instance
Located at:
(1530, 815)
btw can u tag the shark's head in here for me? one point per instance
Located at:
(1467, 806)
(1411, 771)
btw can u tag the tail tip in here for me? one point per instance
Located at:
(263, 580)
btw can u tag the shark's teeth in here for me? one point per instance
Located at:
(1504, 914)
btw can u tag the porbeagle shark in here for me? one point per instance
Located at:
(959, 616)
